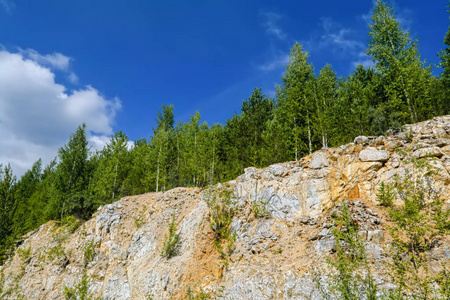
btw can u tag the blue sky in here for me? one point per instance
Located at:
(112, 64)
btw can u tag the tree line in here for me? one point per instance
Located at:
(311, 110)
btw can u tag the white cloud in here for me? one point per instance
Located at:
(276, 62)
(270, 23)
(56, 60)
(73, 78)
(37, 115)
(339, 37)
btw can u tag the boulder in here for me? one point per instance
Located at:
(372, 154)
(319, 160)
(429, 151)
(361, 140)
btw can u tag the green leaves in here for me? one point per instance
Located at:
(396, 57)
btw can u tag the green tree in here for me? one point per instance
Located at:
(443, 85)
(112, 169)
(295, 104)
(324, 96)
(25, 188)
(396, 56)
(7, 204)
(72, 178)
(257, 110)
(138, 180)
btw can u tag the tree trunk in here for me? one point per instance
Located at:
(114, 186)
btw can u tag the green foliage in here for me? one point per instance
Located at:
(7, 204)
(386, 194)
(58, 251)
(310, 111)
(2, 283)
(112, 168)
(88, 253)
(417, 224)
(221, 216)
(71, 223)
(260, 209)
(405, 78)
(351, 277)
(24, 253)
(171, 241)
(198, 293)
(80, 291)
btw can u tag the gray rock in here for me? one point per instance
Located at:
(325, 232)
(429, 151)
(361, 140)
(372, 154)
(325, 245)
(375, 236)
(319, 160)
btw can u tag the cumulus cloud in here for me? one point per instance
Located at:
(37, 114)
(270, 23)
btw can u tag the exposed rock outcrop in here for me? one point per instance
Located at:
(274, 254)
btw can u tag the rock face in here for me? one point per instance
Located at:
(275, 252)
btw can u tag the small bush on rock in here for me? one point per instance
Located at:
(171, 241)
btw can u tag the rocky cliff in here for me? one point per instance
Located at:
(281, 229)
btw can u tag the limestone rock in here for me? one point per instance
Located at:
(319, 160)
(361, 140)
(428, 151)
(372, 154)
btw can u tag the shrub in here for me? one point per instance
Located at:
(260, 209)
(80, 291)
(88, 252)
(171, 241)
(71, 223)
(350, 278)
(416, 226)
(221, 217)
(386, 194)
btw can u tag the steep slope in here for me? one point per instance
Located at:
(281, 220)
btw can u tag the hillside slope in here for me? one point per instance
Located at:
(281, 222)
